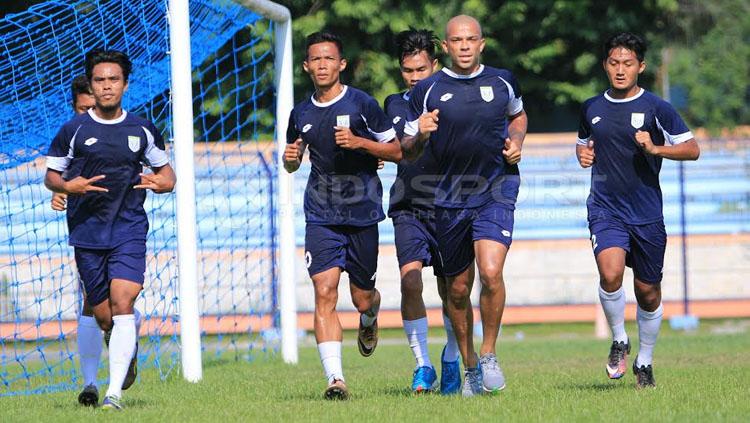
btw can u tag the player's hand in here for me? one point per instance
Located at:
(428, 123)
(291, 151)
(346, 139)
(643, 139)
(59, 201)
(381, 164)
(512, 152)
(155, 182)
(586, 155)
(80, 185)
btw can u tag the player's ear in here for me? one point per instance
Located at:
(444, 44)
(125, 87)
(481, 45)
(434, 65)
(342, 65)
(641, 66)
(305, 67)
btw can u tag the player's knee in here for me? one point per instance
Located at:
(611, 278)
(411, 285)
(491, 274)
(325, 293)
(104, 322)
(121, 306)
(458, 292)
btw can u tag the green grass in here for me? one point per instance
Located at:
(554, 373)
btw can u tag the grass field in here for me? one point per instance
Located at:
(554, 373)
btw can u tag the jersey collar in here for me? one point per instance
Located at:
(623, 100)
(405, 95)
(459, 76)
(330, 102)
(105, 121)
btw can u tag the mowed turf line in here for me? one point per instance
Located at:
(555, 373)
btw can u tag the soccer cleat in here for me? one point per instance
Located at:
(644, 376)
(336, 390)
(472, 382)
(450, 375)
(132, 370)
(493, 379)
(89, 397)
(424, 379)
(111, 402)
(618, 359)
(367, 338)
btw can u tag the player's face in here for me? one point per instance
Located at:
(83, 103)
(324, 64)
(623, 67)
(464, 44)
(417, 67)
(108, 84)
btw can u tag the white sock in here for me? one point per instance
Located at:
(366, 320)
(121, 349)
(649, 323)
(330, 357)
(613, 304)
(416, 334)
(451, 346)
(89, 339)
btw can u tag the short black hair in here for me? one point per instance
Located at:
(79, 85)
(628, 40)
(413, 41)
(324, 37)
(96, 56)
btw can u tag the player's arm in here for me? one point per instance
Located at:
(388, 151)
(54, 181)
(161, 181)
(585, 154)
(413, 145)
(517, 127)
(293, 153)
(59, 201)
(687, 150)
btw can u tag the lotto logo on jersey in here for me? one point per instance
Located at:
(487, 93)
(134, 143)
(636, 120)
(396, 120)
(90, 141)
(306, 128)
(445, 97)
(595, 120)
(342, 121)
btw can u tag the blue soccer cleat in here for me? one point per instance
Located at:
(450, 375)
(424, 379)
(111, 402)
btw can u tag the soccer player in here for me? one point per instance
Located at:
(474, 119)
(89, 335)
(413, 214)
(102, 153)
(346, 131)
(623, 136)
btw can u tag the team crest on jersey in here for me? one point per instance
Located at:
(342, 121)
(636, 120)
(134, 143)
(306, 128)
(487, 93)
(396, 120)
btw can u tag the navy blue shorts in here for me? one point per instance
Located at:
(352, 248)
(457, 229)
(415, 241)
(644, 245)
(97, 268)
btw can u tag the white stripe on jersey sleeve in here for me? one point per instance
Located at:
(674, 139)
(155, 156)
(60, 164)
(583, 141)
(380, 136)
(411, 128)
(515, 105)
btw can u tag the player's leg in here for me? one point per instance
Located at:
(450, 366)
(492, 232)
(324, 258)
(649, 244)
(361, 265)
(89, 342)
(126, 267)
(611, 243)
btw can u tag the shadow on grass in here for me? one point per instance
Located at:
(596, 386)
(135, 403)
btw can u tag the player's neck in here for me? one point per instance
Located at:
(108, 113)
(326, 94)
(623, 94)
(455, 69)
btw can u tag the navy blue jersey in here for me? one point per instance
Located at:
(624, 178)
(343, 187)
(88, 146)
(413, 191)
(472, 128)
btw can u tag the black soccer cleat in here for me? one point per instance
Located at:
(644, 376)
(89, 397)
